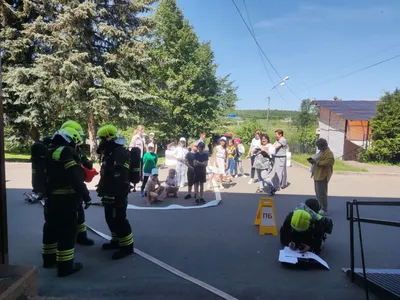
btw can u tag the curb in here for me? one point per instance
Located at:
(349, 172)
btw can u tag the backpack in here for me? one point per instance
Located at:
(134, 165)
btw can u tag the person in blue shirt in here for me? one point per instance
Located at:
(200, 161)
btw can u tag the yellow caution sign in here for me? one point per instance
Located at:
(265, 217)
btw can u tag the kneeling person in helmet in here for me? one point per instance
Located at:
(65, 191)
(114, 188)
(302, 231)
(81, 237)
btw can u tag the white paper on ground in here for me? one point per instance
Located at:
(289, 256)
(287, 259)
(295, 253)
(318, 259)
(176, 206)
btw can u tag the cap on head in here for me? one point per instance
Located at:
(70, 135)
(73, 124)
(154, 171)
(301, 220)
(238, 140)
(108, 132)
(201, 145)
(223, 139)
(151, 134)
(150, 145)
(182, 139)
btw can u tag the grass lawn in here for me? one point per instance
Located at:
(10, 157)
(339, 166)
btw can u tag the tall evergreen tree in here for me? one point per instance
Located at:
(90, 61)
(18, 51)
(189, 92)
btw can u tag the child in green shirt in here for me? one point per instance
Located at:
(149, 163)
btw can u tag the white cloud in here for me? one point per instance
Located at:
(307, 14)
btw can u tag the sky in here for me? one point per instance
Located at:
(313, 42)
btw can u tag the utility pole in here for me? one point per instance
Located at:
(3, 201)
(269, 102)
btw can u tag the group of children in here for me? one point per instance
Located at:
(196, 161)
(226, 161)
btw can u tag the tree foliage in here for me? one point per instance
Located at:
(191, 97)
(247, 129)
(306, 123)
(87, 63)
(385, 127)
(107, 61)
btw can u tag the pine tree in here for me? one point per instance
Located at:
(90, 61)
(189, 92)
(18, 51)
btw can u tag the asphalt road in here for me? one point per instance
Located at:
(219, 246)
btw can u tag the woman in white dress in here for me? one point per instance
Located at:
(219, 160)
(180, 155)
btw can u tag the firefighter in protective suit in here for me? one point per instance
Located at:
(65, 191)
(114, 188)
(81, 237)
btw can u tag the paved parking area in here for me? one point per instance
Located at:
(219, 245)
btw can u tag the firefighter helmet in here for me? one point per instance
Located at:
(73, 124)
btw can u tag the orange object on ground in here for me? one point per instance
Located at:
(89, 174)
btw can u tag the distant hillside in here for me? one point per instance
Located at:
(262, 114)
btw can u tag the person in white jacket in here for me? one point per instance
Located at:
(180, 155)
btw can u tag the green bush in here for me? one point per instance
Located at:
(246, 130)
(14, 144)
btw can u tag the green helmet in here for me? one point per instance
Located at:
(301, 220)
(70, 135)
(73, 124)
(109, 132)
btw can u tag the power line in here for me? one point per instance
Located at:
(251, 30)
(357, 71)
(359, 60)
(255, 39)
(259, 49)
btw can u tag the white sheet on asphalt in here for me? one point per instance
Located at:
(176, 206)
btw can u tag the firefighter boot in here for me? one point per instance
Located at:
(49, 261)
(112, 245)
(66, 268)
(123, 251)
(82, 239)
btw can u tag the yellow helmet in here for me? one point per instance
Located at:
(109, 132)
(301, 220)
(70, 135)
(73, 124)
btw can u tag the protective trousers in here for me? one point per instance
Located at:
(59, 232)
(121, 231)
(81, 228)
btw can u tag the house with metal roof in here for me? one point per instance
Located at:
(345, 125)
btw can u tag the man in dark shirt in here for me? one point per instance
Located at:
(189, 160)
(200, 161)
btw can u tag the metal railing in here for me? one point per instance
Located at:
(350, 205)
